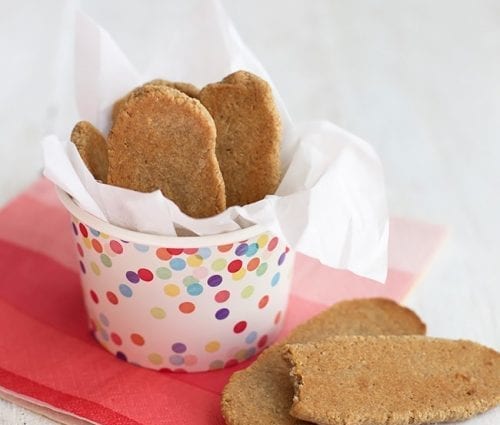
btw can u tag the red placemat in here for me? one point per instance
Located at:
(50, 363)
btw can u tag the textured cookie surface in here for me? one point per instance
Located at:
(92, 147)
(392, 380)
(186, 88)
(263, 393)
(248, 135)
(163, 139)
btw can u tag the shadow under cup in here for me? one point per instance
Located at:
(185, 304)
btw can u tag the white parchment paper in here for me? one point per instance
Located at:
(330, 204)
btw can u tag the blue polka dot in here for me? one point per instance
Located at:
(195, 289)
(241, 249)
(275, 279)
(125, 290)
(178, 264)
(252, 249)
(104, 335)
(104, 320)
(141, 248)
(251, 337)
(177, 360)
(204, 252)
(94, 232)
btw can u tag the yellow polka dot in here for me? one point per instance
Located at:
(212, 346)
(219, 264)
(158, 313)
(171, 290)
(241, 354)
(87, 242)
(95, 268)
(247, 291)
(195, 260)
(155, 358)
(104, 235)
(262, 241)
(240, 274)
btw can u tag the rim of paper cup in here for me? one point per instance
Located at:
(152, 239)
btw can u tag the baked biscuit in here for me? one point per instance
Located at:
(392, 380)
(93, 149)
(186, 88)
(163, 139)
(248, 136)
(263, 393)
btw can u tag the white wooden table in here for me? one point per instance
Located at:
(419, 79)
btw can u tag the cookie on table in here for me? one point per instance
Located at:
(248, 135)
(163, 139)
(263, 393)
(186, 88)
(93, 149)
(392, 380)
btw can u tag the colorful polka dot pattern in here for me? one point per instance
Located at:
(183, 310)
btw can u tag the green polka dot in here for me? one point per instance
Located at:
(219, 264)
(262, 269)
(163, 273)
(247, 291)
(106, 260)
(188, 280)
(158, 313)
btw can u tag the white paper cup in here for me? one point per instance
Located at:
(181, 303)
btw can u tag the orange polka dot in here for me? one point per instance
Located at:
(187, 307)
(253, 264)
(97, 245)
(163, 254)
(263, 301)
(137, 339)
(112, 298)
(225, 248)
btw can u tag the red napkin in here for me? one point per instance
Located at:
(50, 362)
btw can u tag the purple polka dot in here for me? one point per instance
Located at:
(82, 267)
(222, 314)
(121, 356)
(132, 277)
(214, 280)
(75, 230)
(176, 359)
(282, 258)
(242, 249)
(179, 347)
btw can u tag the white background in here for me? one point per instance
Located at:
(419, 79)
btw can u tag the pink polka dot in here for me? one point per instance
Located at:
(272, 243)
(112, 298)
(79, 249)
(263, 301)
(116, 247)
(277, 318)
(174, 251)
(116, 338)
(190, 251)
(200, 272)
(222, 296)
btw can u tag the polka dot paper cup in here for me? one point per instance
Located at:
(183, 304)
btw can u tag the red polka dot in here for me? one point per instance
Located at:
(277, 318)
(112, 298)
(262, 341)
(287, 249)
(137, 339)
(231, 362)
(240, 327)
(272, 243)
(83, 230)
(225, 248)
(97, 245)
(79, 249)
(187, 307)
(94, 297)
(253, 264)
(234, 266)
(116, 338)
(145, 275)
(163, 254)
(116, 247)
(263, 301)
(180, 370)
(174, 251)
(190, 251)
(222, 296)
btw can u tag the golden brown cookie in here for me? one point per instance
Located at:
(186, 88)
(392, 380)
(263, 393)
(248, 135)
(93, 149)
(163, 139)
